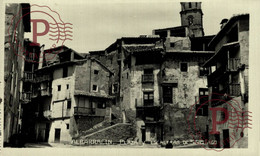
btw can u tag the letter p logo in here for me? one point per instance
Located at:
(35, 33)
(214, 119)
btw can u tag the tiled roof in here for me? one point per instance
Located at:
(142, 48)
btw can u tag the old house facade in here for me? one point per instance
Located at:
(228, 82)
(71, 96)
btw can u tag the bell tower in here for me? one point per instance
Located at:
(191, 17)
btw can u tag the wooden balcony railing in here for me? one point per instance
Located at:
(84, 111)
(26, 96)
(233, 64)
(28, 76)
(147, 78)
(43, 78)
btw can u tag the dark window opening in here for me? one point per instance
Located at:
(148, 98)
(115, 86)
(178, 32)
(69, 104)
(65, 71)
(172, 44)
(68, 86)
(96, 72)
(59, 87)
(148, 71)
(68, 126)
(202, 107)
(184, 67)
(167, 94)
(101, 105)
(233, 35)
(162, 34)
(189, 4)
(94, 87)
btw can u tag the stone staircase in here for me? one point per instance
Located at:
(115, 133)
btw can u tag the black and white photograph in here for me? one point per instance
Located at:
(130, 75)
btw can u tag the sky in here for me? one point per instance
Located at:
(96, 25)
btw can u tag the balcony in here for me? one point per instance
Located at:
(84, 111)
(26, 96)
(147, 78)
(28, 76)
(43, 78)
(30, 57)
(233, 64)
(226, 94)
(232, 90)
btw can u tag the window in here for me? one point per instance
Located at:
(115, 88)
(184, 67)
(148, 71)
(190, 20)
(189, 4)
(101, 105)
(68, 104)
(96, 72)
(167, 94)
(59, 87)
(95, 88)
(68, 126)
(202, 107)
(148, 98)
(65, 71)
(172, 44)
(68, 86)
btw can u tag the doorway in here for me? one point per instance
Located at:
(57, 135)
(226, 142)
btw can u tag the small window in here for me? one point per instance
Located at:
(115, 88)
(101, 105)
(95, 88)
(172, 44)
(148, 71)
(59, 87)
(69, 104)
(189, 4)
(184, 67)
(65, 71)
(68, 86)
(68, 126)
(148, 98)
(96, 72)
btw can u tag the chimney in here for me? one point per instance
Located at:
(223, 23)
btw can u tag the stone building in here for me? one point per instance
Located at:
(15, 27)
(71, 96)
(228, 82)
(159, 77)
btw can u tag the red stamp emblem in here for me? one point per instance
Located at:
(47, 26)
(227, 121)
